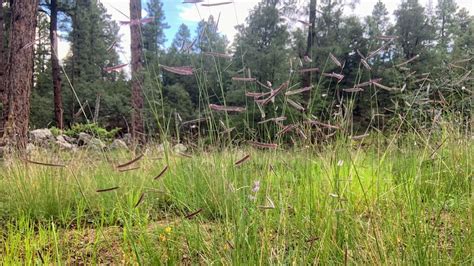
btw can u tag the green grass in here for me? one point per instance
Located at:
(346, 203)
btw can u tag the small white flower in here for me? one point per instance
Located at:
(340, 163)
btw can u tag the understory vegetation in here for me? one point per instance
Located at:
(383, 199)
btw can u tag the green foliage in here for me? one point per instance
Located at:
(464, 35)
(208, 37)
(92, 33)
(446, 22)
(41, 113)
(153, 32)
(182, 39)
(91, 129)
(94, 45)
(262, 45)
(413, 28)
(56, 131)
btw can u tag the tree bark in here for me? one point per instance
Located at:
(310, 40)
(137, 77)
(56, 75)
(20, 73)
(306, 77)
(3, 64)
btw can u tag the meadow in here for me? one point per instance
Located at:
(312, 137)
(382, 199)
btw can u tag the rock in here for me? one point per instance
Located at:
(41, 137)
(61, 138)
(160, 148)
(65, 145)
(96, 144)
(118, 144)
(84, 139)
(30, 147)
(70, 139)
(179, 148)
(90, 142)
(127, 138)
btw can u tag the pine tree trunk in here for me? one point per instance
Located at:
(310, 40)
(3, 64)
(137, 77)
(56, 75)
(73, 65)
(20, 72)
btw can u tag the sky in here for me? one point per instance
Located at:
(230, 15)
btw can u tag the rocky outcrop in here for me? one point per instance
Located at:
(44, 138)
(64, 144)
(96, 144)
(118, 144)
(180, 148)
(83, 139)
(41, 137)
(127, 138)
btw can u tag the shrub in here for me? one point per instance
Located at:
(91, 128)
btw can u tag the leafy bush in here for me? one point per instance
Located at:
(55, 131)
(92, 128)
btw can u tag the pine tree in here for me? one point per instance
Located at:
(89, 40)
(446, 18)
(42, 108)
(329, 21)
(412, 27)
(179, 55)
(20, 73)
(153, 32)
(182, 39)
(208, 37)
(463, 35)
(94, 43)
(137, 77)
(310, 39)
(378, 22)
(263, 44)
(329, 38)
(55, 70)
(3, 59)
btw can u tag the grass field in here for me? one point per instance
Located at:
(376, 201)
